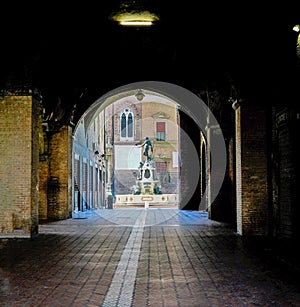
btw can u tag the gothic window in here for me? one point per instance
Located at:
(127, 125)
(123, 125)
(130, 125)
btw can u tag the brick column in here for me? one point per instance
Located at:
(251, 170)
(59, 184)
(19, 162)
(286, 169)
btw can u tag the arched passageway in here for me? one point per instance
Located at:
(258, 193)
(252, 92)
(106, 158)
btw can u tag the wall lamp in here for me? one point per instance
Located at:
(100, 156)
(234, 103)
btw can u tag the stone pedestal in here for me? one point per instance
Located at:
(143, 200)
(147, 183)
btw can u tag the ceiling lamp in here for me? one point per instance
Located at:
(134, 14)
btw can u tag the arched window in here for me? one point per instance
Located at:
(123, 125)
(127, 125)
(130, 125)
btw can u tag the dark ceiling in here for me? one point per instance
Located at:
(69, 49)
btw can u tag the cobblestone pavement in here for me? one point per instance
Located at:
(142, 257)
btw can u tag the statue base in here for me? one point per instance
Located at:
(147, 200)
(147, 191)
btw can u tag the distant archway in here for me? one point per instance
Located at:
(197, 110)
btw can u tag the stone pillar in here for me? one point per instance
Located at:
(251, 128)
(19, 164)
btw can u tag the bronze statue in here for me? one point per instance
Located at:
(147, 145)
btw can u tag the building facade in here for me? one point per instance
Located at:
(89, 165)
(128, 122)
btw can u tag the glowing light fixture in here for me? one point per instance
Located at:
(296, 28)
(134, 14)
(136, 23)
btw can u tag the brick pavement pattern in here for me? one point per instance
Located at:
(141, 257)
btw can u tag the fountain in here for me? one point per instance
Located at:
(147, 190)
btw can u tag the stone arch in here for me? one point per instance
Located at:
(188, 103)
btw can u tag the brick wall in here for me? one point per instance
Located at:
(35, 125)
(19, 154)
(287, 166)
(252, 171)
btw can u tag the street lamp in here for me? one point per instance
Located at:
(139, 95)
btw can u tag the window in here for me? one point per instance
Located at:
(160, 131)
(126, 125)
